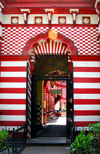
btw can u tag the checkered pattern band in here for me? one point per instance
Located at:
(84, 38)
(39, 113)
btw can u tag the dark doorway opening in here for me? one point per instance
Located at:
(55, 68)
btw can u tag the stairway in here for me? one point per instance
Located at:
(49, 141)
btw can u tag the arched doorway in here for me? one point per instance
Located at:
(40, 47)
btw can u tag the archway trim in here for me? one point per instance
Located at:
(35, 40)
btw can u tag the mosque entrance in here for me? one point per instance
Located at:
(52, 96)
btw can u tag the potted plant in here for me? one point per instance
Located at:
(3, 137)
(95, 129)
(82, 144)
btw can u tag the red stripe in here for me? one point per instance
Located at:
(84, 123)
(29, 118)
(63, 98)
(13, 79)
(86, 101)
(12, 90)
(15, 58)
(86, 80)
(13, 69)
(88, 112)
(85, 58)
(86, 91)
(12, 123)
(13, 112)
(0, 64)
(86, 69)
(29, 124)
(12, 101)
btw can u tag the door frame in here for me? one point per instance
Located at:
(34, 107)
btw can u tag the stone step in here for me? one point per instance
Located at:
(49, 141)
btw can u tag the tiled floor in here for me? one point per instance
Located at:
(59, 121)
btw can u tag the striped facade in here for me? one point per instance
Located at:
(86, 92)
(13, 93)
(17, 43)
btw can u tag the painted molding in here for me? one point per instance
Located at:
(55, 17)
(25, 10)
(38, 20)
(86, 20)
(62, 20)
(1, 5)
(14, 20)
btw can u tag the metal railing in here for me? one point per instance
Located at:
(16, 141)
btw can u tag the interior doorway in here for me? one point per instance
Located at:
(50, 81)
(53, 109)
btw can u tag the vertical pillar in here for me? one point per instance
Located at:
(1, 39)
(98, 11)
(46, 101)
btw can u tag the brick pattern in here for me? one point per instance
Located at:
(84, 38)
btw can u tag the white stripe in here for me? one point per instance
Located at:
(87, 74)
(44, 48)
(28, 135)
(29, 116)
(50, 47)
(12, 118)
(82, 128)
(35, 51)
(57, 48)
(13, 74)
(13, 63)
(12, 107)
(29, 108)
(39, 50)
(47, 48)
(29, 128)
(86, 64)
(86, 96)
(60, 48)
(86, 118)
(53, 47)
(87, 85)
(12, 96)
(8, 127)
(13, 85)
(29, 122)
(86, 107)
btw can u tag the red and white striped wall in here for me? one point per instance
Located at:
(86, 78)
(12, 92)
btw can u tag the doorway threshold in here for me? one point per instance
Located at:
(49, 141)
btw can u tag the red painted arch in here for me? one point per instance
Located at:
(34, 40)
